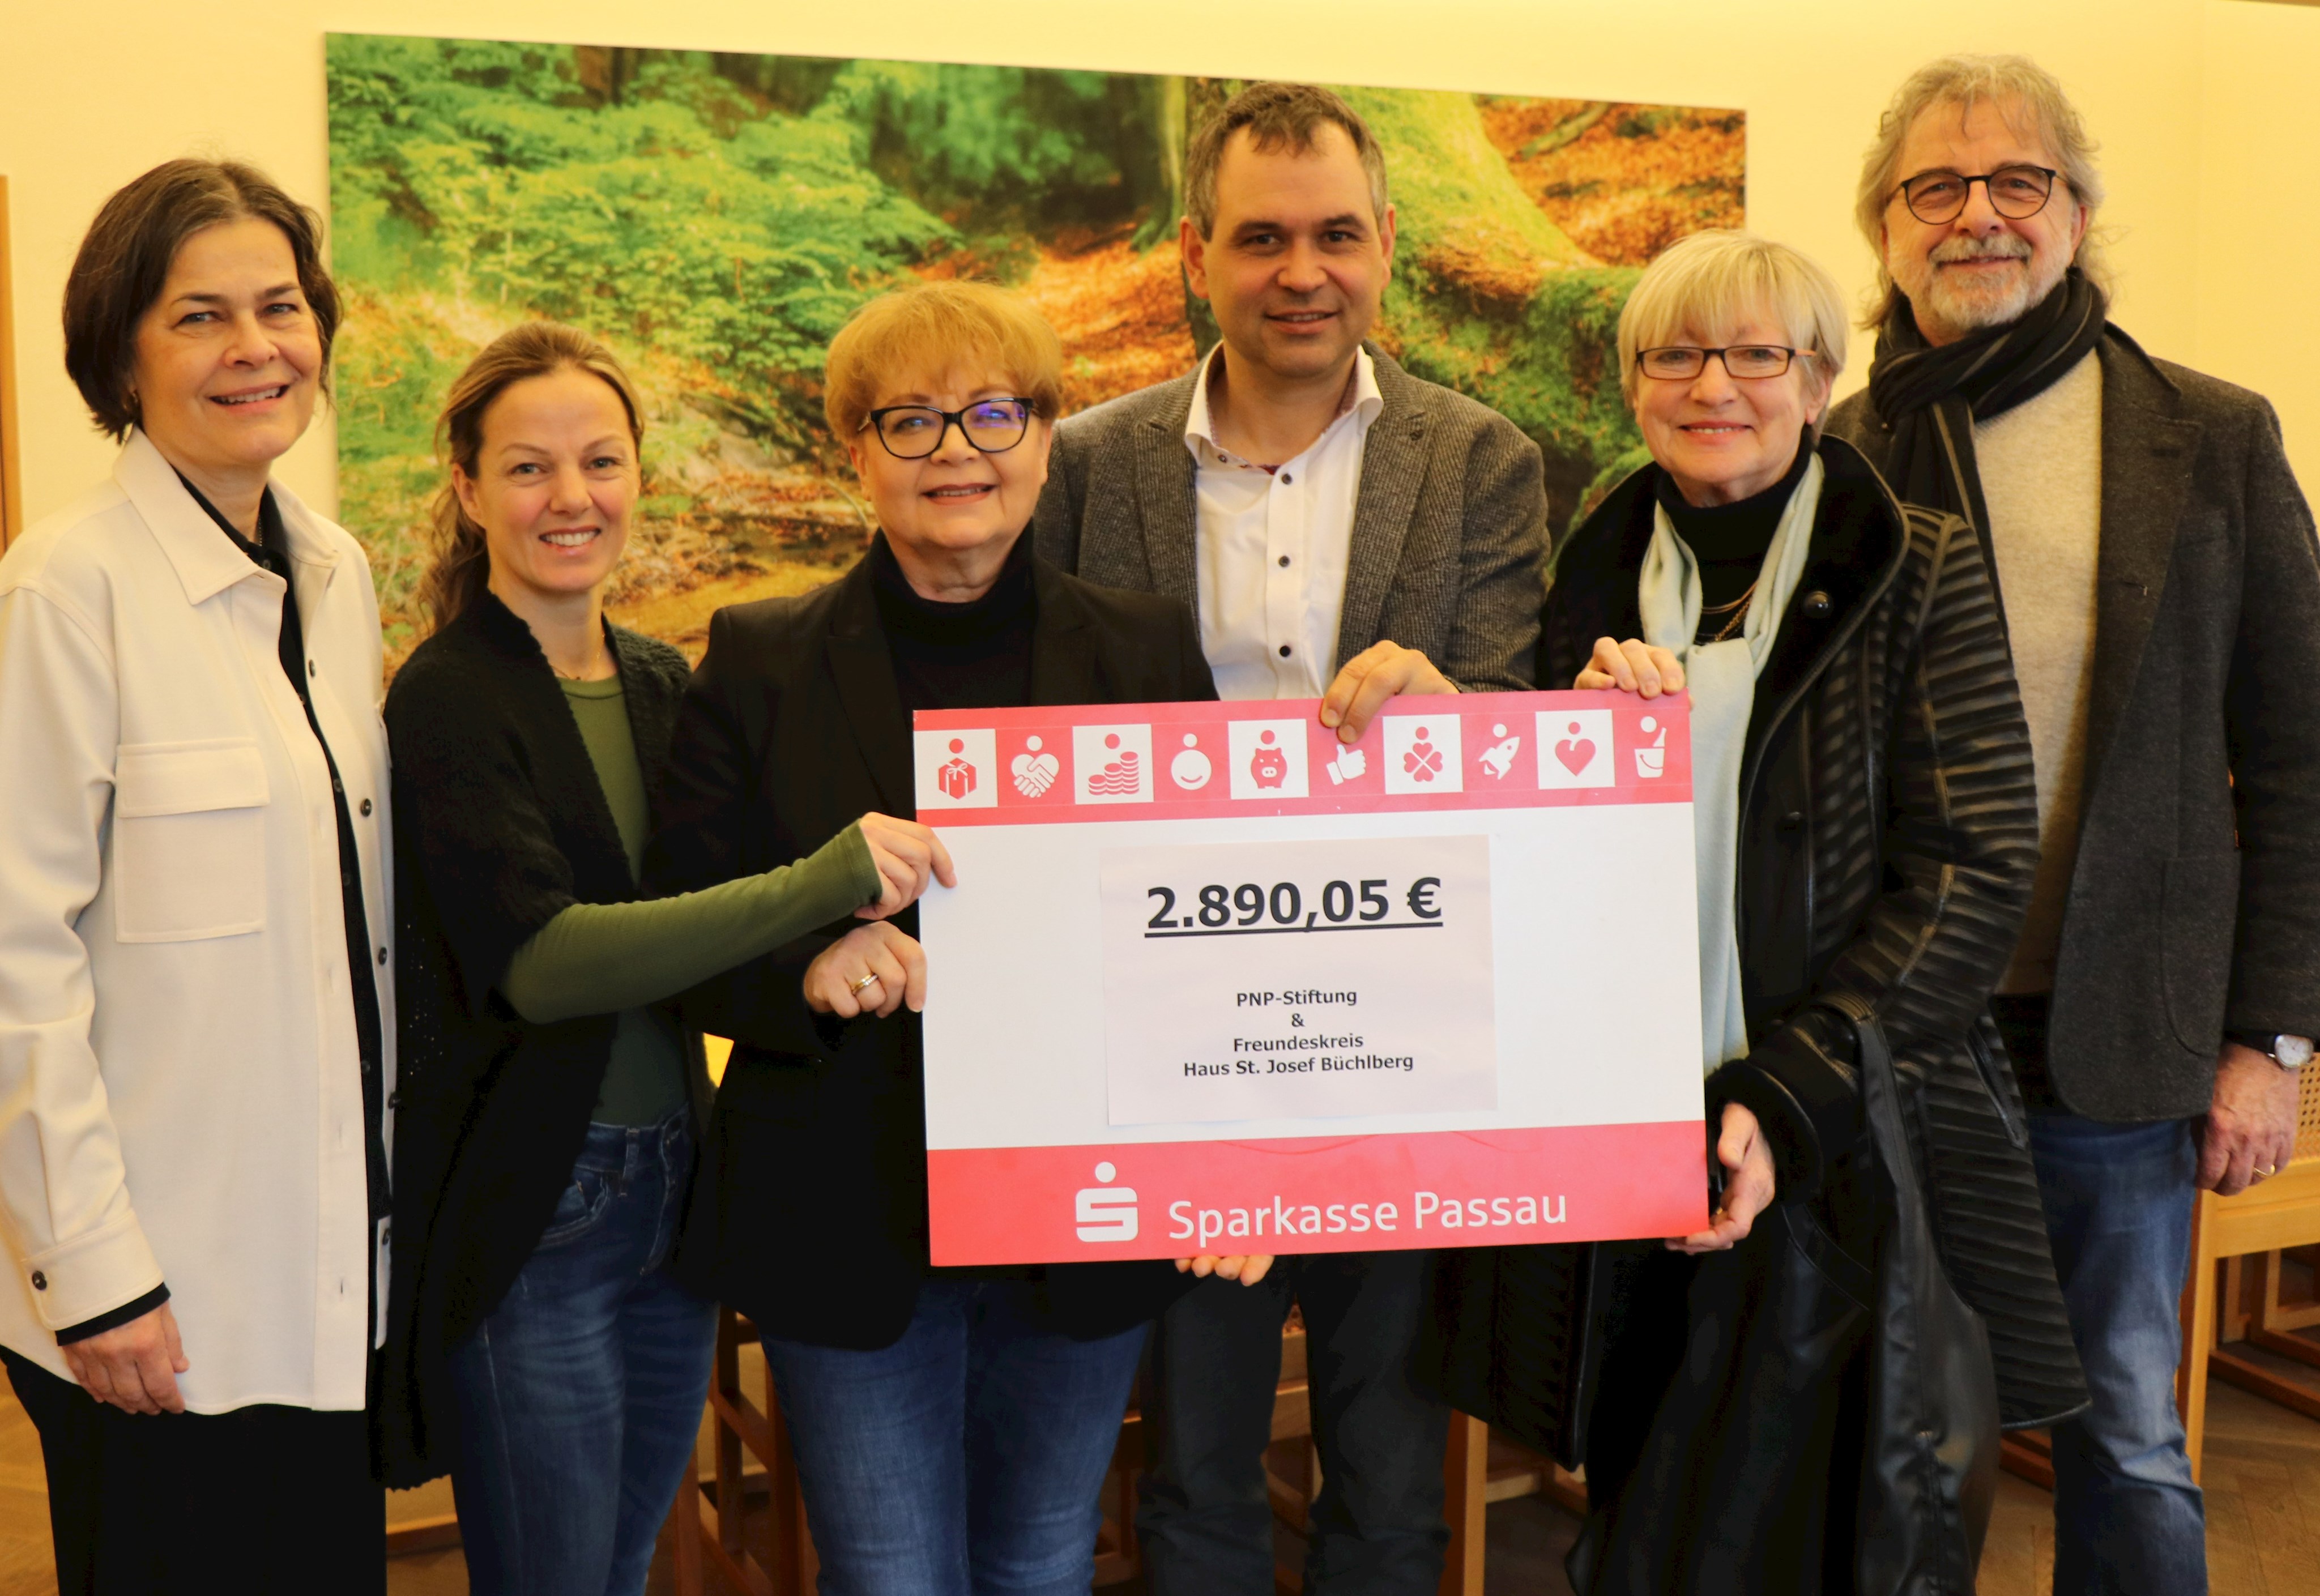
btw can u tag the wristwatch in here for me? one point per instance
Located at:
(2284, 1050)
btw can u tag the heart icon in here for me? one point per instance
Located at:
(1577, 753)
(1035, 773)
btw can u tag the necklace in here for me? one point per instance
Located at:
(1737, 608)
(582, 674)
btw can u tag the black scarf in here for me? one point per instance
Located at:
(1931, 397)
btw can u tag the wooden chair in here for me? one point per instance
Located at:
(707, 1523)
(2264, 1320)
(1482, 1468)
(2279, 1212)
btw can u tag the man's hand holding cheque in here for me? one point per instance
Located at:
(1364, 686)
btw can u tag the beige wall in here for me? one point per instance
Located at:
(2259, 215)
(2180, 91)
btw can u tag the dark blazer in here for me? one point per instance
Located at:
(811, 1211)
(1449, 532)
(501, 823)
(2194, 904)
(1887, 836)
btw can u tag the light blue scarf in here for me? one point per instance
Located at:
(1721, 678)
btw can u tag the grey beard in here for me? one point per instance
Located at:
(1968, 311)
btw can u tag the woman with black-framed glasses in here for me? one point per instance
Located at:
(914, 432)
(952, 1427)
(1865, 831)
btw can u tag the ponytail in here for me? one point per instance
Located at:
(459, 568)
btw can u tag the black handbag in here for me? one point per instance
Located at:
(1834, 1425)
(1929, 1478)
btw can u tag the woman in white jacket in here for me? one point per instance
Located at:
(196, 999)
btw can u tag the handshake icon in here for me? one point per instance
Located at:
(1348, 765)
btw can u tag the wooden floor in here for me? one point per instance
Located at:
(2263, 1517)
(24, 1561)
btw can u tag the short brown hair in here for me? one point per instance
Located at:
(460, 566)
(1277, 116)
(126, 257)
(926, 328)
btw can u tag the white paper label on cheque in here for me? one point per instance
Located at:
(1323, 980)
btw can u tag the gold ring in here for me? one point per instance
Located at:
(2268, 1169)
(856, 988)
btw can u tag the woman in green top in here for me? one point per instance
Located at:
(547, 1110)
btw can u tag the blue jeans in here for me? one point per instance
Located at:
(966, 1459)
(2127, 1518)
(580, 1396)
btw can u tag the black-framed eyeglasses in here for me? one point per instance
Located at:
(914, 432)
(1750, 362)
(2015, 192)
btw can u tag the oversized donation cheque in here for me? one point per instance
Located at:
(1211, 981)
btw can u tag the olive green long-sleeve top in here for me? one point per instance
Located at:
(597, 958)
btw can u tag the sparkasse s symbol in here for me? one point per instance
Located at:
(1106, 1212)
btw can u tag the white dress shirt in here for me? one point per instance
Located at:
(180, 1080)
(1273, 547)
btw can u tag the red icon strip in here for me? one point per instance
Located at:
(1051, 764)
(1173, 1200)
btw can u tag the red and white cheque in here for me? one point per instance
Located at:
(1212, 982)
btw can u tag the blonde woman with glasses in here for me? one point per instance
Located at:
(1865, 830)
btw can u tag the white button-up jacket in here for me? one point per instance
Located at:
(180, 1080)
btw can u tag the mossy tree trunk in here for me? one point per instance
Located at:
(1203, 98)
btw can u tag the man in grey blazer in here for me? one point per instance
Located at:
(2157, 568)
(1343, 530)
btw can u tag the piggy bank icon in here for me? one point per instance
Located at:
(1268, 766)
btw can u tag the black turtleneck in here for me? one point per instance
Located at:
(974, 656)
(1730, 540)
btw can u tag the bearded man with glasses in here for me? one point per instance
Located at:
(2157, 573)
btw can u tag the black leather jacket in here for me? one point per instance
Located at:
(1888, 832)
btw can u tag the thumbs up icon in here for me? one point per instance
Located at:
(1347, 765)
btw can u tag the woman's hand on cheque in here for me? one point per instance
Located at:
(907, 854)
(1632, 667)
(1246, 1268)
(1747, 1185)
(872, 970)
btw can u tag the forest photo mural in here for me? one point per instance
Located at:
(716, 218)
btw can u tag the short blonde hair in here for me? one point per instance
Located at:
(931, 328)
(2028, 97)
(1722, 278)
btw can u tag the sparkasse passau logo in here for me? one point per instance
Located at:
(1106, 1212)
